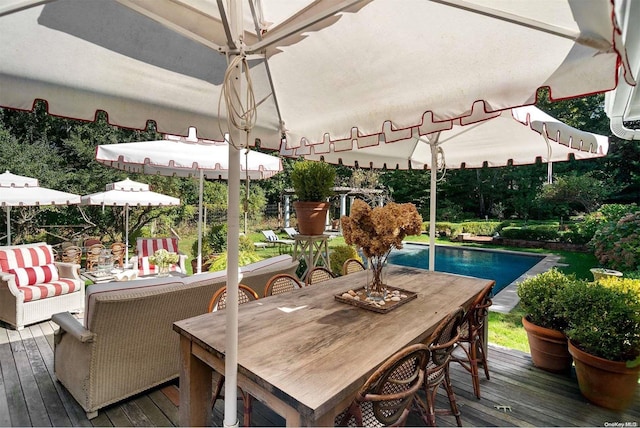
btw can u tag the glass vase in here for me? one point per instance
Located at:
(163, 271)
(376, 287)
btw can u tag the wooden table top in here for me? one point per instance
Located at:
(313, 352)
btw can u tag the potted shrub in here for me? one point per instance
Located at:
(604, 339)
(313, 183)
(545, 319)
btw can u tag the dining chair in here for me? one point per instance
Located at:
(441, 343)
(219, 302)
(318, 274)
(91, 241)
(351, 266)
(92, 256)
(281, 283)
(219, 299)
(117, 253)
(386, 397)
(472, 338)
(72, 254)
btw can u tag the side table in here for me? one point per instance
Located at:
(313, 249)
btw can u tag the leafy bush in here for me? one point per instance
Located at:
(481, 228)
(603, 320)
(244, 258)
(532, 233)
(582, 232)
(446, 228)
(313, 181)
(339, 255)
(246, 244)
(213, 242)
(539, 298)
(617, 245)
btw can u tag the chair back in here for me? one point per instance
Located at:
(351, 266)
(386, 396)
(117, 253)
(281, 283)
(479, 309)
(443, 340)
(270, 235)
(91, 241)
(318, 274)
(291, 232)
(219, 299)
(72, 254)
(93, 255)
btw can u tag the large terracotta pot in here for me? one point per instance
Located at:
(609, 384)
(548, 347)
(311, 216)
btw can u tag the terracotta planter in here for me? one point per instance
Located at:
(609, 384)
(311, 217)
(548, 347)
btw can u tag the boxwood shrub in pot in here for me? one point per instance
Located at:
(545, 319)
(313, 183)
(604, 339)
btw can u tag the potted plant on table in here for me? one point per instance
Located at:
(545, 319)
(604, 339)
(313, 183)
(163, 259)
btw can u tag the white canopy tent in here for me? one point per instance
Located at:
(316, 68)
(17, 191)
(517, 136)
(187, 157)
(128, 193)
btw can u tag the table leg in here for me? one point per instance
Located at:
(195, 387)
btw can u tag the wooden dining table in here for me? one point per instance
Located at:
(304, 354)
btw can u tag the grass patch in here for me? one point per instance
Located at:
(506, 330)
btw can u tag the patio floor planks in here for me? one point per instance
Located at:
(30, 395)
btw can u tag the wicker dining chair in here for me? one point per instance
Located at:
(219, 302)
(472, 338)
(318, 274)
(351, 266)
(72, 254)
(117, 253)
(93, 255)
(386, 397)
(281, 283)
(219, 299)
(441, 343)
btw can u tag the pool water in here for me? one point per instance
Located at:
(500, 266)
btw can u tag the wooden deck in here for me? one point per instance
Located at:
(30, 395)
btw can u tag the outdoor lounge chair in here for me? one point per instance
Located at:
(291, 232)
(273, 239)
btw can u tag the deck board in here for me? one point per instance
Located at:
(30, 395)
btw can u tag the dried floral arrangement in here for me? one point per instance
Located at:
(379, 230)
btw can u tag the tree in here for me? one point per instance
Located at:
(586, 190)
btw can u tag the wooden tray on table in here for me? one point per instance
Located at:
(349, 297)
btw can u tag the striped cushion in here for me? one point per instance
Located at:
(35, 275)
(147, 246)
(54, 288)
(29, 256)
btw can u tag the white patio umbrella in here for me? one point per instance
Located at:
(128, 193)
(316, 68)
(187, 157)
(517, 136)
(18, 191)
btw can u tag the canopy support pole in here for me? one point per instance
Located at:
(233, 232)
(126, 233)
(201, 188)
(8, 225)
(433, 142)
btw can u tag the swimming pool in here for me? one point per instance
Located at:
(503, 267)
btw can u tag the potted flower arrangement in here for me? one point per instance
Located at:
(163, 259)
(313, 183)
(545, 320)
(604, 339)
(377, 231)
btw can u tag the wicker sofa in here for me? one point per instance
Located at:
(126, 344)
(33, 287)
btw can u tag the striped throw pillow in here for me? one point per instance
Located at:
(35, 275)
